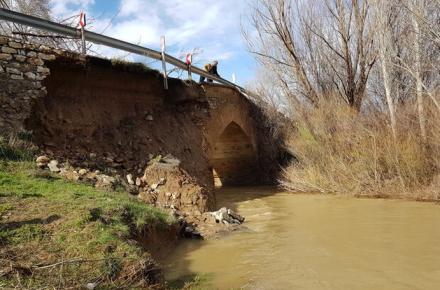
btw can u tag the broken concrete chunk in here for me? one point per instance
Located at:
(53, 166)
(42, 159)
(130, 179)
(227, 216)
(82, 172)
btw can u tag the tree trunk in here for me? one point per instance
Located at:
(417, 73)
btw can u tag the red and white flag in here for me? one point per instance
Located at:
(188, 58)
(82, 19)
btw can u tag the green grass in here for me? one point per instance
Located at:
(22, 234)
(52, 220)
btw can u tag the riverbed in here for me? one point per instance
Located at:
(306, 241)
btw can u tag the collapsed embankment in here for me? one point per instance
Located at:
(112, 118)
(116, 117)
(100, 114)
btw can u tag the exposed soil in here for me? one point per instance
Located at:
(98, 119)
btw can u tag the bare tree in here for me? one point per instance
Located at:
(384, 23)
(417, 8)
(39, 8)
(317, 48)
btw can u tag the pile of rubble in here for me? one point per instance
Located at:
(95, 177)
(163, 184)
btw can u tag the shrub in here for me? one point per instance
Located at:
(16, 148)
(342, 151)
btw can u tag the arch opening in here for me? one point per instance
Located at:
(234, 159)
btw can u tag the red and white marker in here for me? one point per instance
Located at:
(188, 58)
(82, 19)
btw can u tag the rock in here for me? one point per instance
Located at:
(105, 181)
(149, 118)
(236, 216)
(53, 166)
(227, 216)
(119, 160)
(130, 179)
(32, 54)
(90, 176)
(190, 232)
(30, 75)
(5, 56)
(11, 70)
(35, 61)
(92, 155)
(71, 175)
(218, 215)
(20, 58)
(6, 49)
(17, 77)
(46, 56)
(138, 181)
(42, 159)
(15, 44)
(43, 70)
(82, 172)
(91, 286)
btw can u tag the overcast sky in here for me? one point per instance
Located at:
(213, 26)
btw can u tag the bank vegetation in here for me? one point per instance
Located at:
(68, 235)
(359, 83)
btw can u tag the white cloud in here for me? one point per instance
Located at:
(213, 26)
(66, 8)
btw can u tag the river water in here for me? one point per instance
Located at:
(317, 242)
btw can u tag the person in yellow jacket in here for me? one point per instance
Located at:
(212, 69)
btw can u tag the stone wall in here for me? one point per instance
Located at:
(22, 70)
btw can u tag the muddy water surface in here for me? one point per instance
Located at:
(317, 242)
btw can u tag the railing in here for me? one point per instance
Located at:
(50, 26)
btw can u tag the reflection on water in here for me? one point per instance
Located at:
(318, 242)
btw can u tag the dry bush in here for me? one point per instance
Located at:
(342, 151)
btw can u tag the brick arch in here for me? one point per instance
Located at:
(231, 138)
(234, 158)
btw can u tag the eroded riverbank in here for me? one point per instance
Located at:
(317, 242)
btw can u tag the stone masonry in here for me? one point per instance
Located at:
(22, 70)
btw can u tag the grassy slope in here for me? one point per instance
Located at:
(46, 220)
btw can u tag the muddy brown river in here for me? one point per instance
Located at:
(317, 242)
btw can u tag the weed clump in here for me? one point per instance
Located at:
(342, 151)
(17, 147)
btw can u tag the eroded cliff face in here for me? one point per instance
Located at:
(117, 117)
(103, 115)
